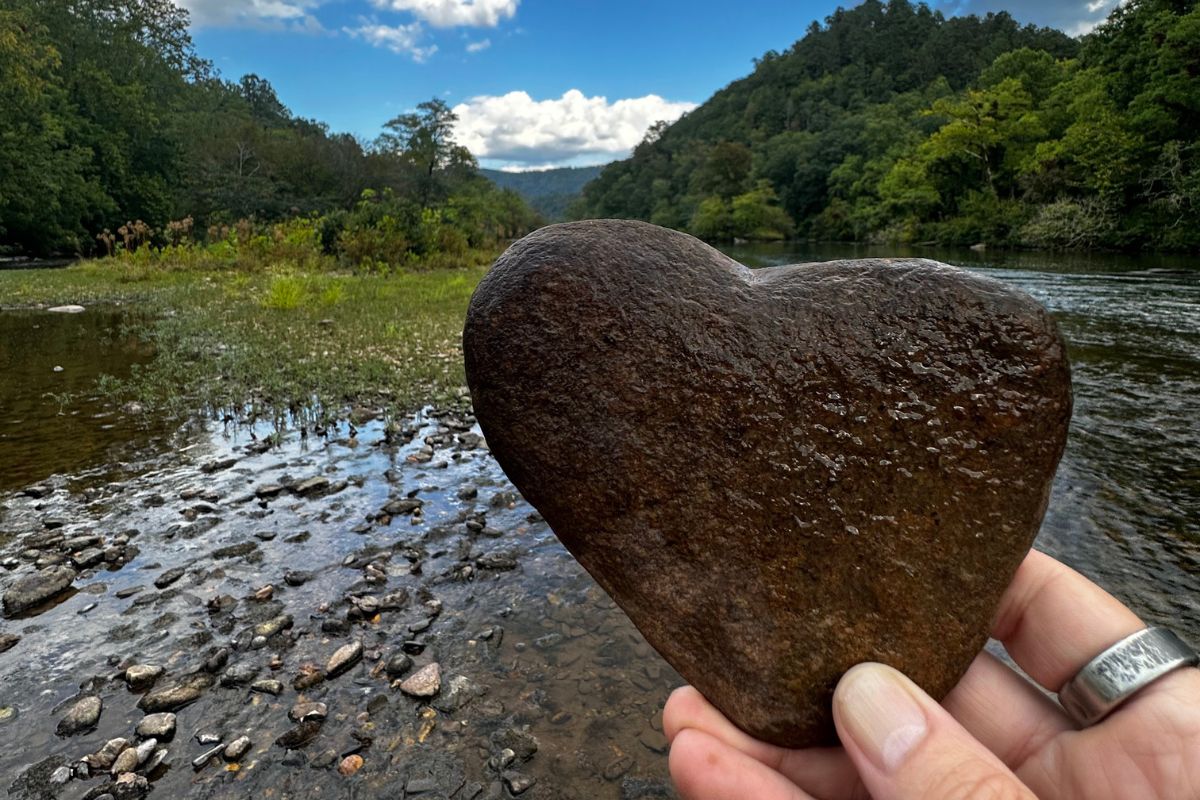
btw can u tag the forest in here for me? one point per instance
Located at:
(115, 134)
(893, 123)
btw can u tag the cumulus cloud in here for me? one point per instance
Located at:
(285, 14)
(1075, 17)
(514, 131)
(402, 39)
(479, 47)
(455, 13)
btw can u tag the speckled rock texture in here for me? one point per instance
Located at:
(777, 473)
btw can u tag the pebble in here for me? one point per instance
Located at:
(305, 712)
(273, 626)
(350, 765)
(240, 674)
(83, 716)
(236, 749)
(173, 698)
(267, 686)
(399, 664)
(425, 682)
(518, 783)
(142, 676)
(160, 726)
(126, 761)
(345, 657)
(169, 577)
(300, 735)
(654, 741)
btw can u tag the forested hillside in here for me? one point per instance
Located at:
(892, 123)
(549, 191)
(115, 133)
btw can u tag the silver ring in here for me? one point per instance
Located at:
(1123, 670)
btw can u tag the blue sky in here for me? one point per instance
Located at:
(536, 83)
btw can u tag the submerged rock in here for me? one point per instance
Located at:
(175, 697)
(300, 735)
(159, 726)
(33, 590)
(425, 682)
(83, 716)
(345, 658)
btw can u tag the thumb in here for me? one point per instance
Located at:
(907, 747)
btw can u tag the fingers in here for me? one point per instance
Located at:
(907, 747)
(824, 772)
(1003, 711)
(705, 768)
(1052, 620)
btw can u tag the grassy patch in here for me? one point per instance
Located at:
(284, 344)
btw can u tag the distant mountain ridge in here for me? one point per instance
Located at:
(548, 191)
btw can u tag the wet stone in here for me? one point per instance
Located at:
(312, 486)
(175, 697)
(157, 726)
(296, 577)
(8, 641)
(82, 717)
(142, 676)
(521, 742)
(399, 664)
(240, 674)
(300, 735)
(33, 590)
(308, 712)
(425, 682)
(267, 686)
(819, 384)
(517, 783)
(236, 749)
(169, 577)
(346, 657)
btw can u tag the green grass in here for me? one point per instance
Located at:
(286, 345)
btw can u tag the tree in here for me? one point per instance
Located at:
(424, 142)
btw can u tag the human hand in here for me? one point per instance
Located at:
(994, 736)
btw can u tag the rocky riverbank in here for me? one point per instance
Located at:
(360, 614)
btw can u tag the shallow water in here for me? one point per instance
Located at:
(53, 418)
(543, 645)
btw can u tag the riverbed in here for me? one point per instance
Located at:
(208, 549)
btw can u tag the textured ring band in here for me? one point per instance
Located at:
(1121, 671)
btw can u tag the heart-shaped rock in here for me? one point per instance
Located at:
(778, 473)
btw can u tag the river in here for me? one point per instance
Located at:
(194, 520)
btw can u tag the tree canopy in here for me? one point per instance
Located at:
(111, 117)
(892, 122)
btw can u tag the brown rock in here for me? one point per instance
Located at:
(778, 473)
(425, 682)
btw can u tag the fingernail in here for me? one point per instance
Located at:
(877, 709)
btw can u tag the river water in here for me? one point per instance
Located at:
(538, 646)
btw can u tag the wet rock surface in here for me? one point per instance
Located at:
(777, 474)
(309, 672)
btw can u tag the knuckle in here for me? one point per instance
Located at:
(979, 784)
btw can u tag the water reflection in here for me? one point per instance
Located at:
(53, 419)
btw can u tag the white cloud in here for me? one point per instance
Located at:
(1074, 17)
(514, 131)
(284, 14)
(402, 39)
(480, 46)
(455, 13)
